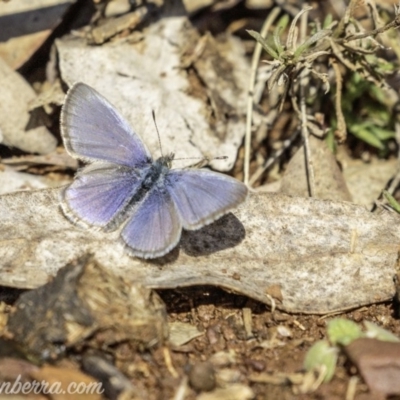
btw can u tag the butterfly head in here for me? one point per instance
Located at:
(167, 160)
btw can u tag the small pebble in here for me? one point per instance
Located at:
(202, 377)
(257, 365)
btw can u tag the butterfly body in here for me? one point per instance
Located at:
(122, 186)
(156, 171)
(151, 175)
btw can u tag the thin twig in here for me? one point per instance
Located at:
(394, 24)
(396, 180)
(180, 393)
(341, 130)
(307, 150)
(168, 362)
(303, 111)
(338, 54)
(249, 116)
(374, 13)
(351, 388)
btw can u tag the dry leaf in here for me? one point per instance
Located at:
(15, 119)
(188, 97)
(25, 25)
(325, 256)
(329, 181)
(378, 363)
(12, 181)
(366, 180)
(181, 333)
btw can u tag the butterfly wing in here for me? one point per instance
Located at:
(99, 193)
(155, 226)
(202, 196)
(92, 129)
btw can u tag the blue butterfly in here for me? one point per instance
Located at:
(123, 185)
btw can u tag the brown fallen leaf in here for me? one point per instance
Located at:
(12, 368)
(324, 256)
(378, 363)
(16, 381)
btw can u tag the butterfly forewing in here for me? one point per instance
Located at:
(99, 193)
(155, 228)
(201, 196)
(93, 129)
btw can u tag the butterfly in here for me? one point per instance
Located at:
(122, 185)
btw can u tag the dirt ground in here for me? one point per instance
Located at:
(220, 316)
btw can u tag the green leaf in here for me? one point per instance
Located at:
(311, 40)
(375, 331)
(322, 354)
(282, 24)
(363, 132)
(327, 21)
(380, 95)
(381, 65)
(381, 133)
(343, 331)
(277, 40)
(264, 44)
(330, 141)
(283, 21)
(392, 201)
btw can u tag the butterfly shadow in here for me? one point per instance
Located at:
(222, 234)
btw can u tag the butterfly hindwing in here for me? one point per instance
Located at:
(93, 129)
(201, 196)
(99, 193)
(154, 228)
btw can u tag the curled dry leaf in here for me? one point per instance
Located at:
(325, 256)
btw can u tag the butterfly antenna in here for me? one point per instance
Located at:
(158, 133)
